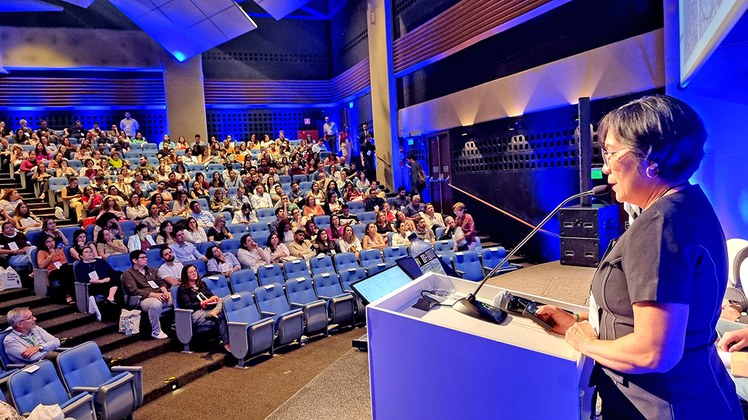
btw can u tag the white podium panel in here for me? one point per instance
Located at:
(442, 364)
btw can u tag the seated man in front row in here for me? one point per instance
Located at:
(142, 281)
(28, 342)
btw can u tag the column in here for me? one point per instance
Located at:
(383, 90)
(185, 97)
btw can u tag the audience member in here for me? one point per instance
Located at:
(219, 232)
(250, 255)
(465, 221)
(324, 245)
(349, 242)
(401, 200)
(415, 207)
(192, 232)
(220, 262)
(194, 294)
(278, 250)
(15, 247)
(204, 218)
(27, 342)
(102, 279)
(423, 232)
(59, 273)
(141, 281)
(301, 247)
(372, 239)
(81, 242)
(185, 251)
(141, 240)
(107, 245)
(164, 235)
(171, 270)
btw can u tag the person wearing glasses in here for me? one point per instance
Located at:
(27, 342)
(656, 296)
(143, 282)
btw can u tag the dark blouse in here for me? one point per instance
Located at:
(217, 236)
(187, 296)
(674, 252)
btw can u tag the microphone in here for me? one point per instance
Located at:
(471, 307)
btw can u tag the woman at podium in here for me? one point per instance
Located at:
(655, 298)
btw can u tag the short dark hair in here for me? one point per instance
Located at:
(278, 210)
(134, 255)
(192, 203)
(661, 129)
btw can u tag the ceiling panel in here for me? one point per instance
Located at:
(188, 27)
(280, 8)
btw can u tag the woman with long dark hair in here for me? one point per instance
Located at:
(324, 245)
(195, 295)
(81, 242)
(60, 277)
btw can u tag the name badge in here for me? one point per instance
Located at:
(57, 264)
(93, 275)
(152, 284)
(13, 246)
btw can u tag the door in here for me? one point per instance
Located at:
(440, 171)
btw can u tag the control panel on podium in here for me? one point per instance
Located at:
(438, 363)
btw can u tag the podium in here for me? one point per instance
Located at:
(442, 364)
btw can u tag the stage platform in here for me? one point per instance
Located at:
(560, 282)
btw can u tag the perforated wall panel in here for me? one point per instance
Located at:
(521, 152)
(240, 124)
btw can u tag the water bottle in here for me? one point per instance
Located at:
(128, 327)
(424, 254)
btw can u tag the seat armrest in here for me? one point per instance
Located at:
(84, 389)
(460, 272)
(324, 297)
(267, 314)
(77, 400)
(137, 373)
(81, 296)
(296, 305)
(183, 321)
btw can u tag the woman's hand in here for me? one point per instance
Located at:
(559, 318)
(580, 334)
(733, 341)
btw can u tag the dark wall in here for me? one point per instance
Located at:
(277, 50)
(525, 166)
(348, 36)
(570, 29)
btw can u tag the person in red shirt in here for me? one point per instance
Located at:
(466, 223)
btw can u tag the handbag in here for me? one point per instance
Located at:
(129, 321)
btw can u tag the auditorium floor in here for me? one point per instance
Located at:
(256, 392)
(326, 378)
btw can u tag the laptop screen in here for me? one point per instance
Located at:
(380, 284)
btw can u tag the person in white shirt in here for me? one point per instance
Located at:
(250, 255)
(260, 199)
(171, 270)
(129, 125)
